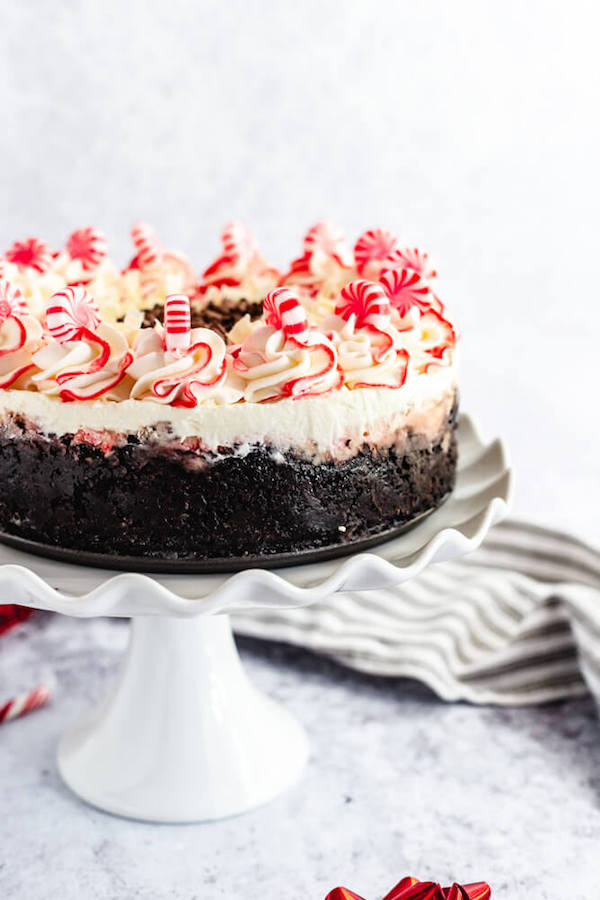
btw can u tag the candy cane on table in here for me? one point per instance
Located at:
(89, 246)
(375, 245)
(145, 240)
(32, 252)
(24, 703)
(283, 310)
(177, 322)
(70, 313)
(367, 301)
(12, 302)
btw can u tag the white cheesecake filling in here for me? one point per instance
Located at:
(334, 425)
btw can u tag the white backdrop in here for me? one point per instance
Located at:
(469, 127)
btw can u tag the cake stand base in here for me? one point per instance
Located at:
(184, 736)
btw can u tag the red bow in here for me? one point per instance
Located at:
(412, 889)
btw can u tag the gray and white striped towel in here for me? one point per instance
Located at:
(516, 622)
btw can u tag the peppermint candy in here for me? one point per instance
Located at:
(33, 253)
(374, 250)
(145, 241)
(283, 310)
(367, 301)
(177, 322)
(415, 259)
(238, 241)
(12, 302)
(70, 313)
(406, 289)
(89, 246)
(328, 239)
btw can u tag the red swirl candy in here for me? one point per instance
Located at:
(416, 259)
(71, 313)
(33, 253)
(375, 246)
(367, 301)
(145, 240)
(283, 310)
(89, 246)
(177, 322)
(12, 302)
(405, 289)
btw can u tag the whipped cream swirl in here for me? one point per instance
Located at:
(85, 369)
(202, 373)
(20, 338)
(273, 366)
(367, 356)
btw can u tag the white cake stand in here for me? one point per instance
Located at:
(184, 736)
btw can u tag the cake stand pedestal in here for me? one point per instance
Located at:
(184, 736)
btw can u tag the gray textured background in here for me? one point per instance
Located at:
(472, 129)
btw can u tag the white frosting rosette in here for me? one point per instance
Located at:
(273, 366)
(202, 373)
(367, 357)
(85, 369)
(20, 338)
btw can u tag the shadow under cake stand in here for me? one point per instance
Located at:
(184, 735)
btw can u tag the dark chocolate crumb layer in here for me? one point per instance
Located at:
(219, 316)
(140, 499)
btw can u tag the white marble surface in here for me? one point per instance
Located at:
(470, 128)
(397, 783)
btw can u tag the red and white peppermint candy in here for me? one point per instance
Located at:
(145, 240)
(413, 258)
(367, 301)
(283, 310)
(24, 703)
(89, 246)
(12, 302)
(406, 289)
(374, 250)
(33, 253)
(238, 241)
(177, 322)
(328, 239)
(70, 313)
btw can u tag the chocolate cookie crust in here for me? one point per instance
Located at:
(152, 499)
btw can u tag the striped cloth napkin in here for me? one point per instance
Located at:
(516, 622)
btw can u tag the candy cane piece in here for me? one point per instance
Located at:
(367, 301)
(12, 302)
(145, 240)
(24, 703)
(177, 322)
(33, 253)
(329, 239)
(283, 310)
(405, 289)
(89, 246)
(238, 241)
(375, 246)
(70, 312)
